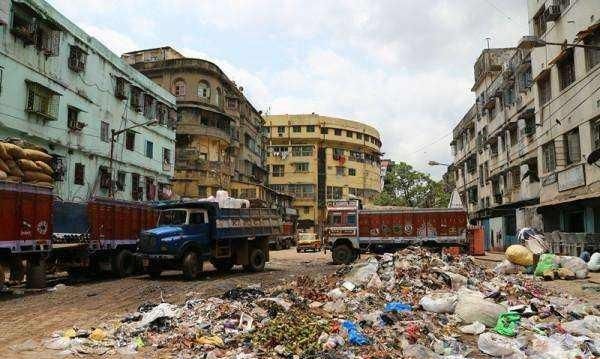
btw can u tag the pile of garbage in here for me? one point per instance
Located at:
(411, 304)
(24, 162)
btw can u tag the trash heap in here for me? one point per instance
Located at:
(412, 304)
(23, 162)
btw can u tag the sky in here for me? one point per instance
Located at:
(402, 66)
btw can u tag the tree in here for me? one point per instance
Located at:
(404, 186)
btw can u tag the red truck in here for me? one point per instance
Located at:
(351, 229)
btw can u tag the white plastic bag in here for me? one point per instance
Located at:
(576, 264)
(506, 267)
(475, 328)
(472, 307)
(439, 302)
(362, 273)
(499, 346)
(594, 263)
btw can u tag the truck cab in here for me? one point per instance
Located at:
(341, 230)
(189, 233)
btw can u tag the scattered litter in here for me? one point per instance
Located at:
(474, 328)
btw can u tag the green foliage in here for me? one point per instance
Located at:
(407, 187)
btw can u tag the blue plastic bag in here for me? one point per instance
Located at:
(355, 337)
(397, 307)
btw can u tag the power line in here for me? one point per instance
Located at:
(432, 143)
(499, 10)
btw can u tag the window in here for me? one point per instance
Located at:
(351, 219)
(351, 172)
(280, 129)
(219, 98)
(349, 134)
(248, 193)
(544, 88)
(301, 190)
(296, 128)
(203, 90)
(120, 88)
(73, 119)
(549, 157)
(166, 156)
(592, 56)
(302, 151)
(79, 174)
(149, 106)
(202, 191)
(339, 171)
(301, 166)
(324, 130)
(77, 58)
(278, 170)
(179, 88)
(42, 101)
(104, 131)
(539, 23)
(334, 192)
(23, 26)
(136, 191)
(135, 99)
(130, 140)
(232, 104)
(310, 128)
(596, 134)
(566, 69)
(338, 153)
(306, 210)
(197, 218)
(150, 189)
(120, 180)
(572, 148)
(359, 136)
(149, 149)
(337, 132)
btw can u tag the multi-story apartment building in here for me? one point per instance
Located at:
(315, 158)
(567, 102)
(63, 90)
(520, 150)
(220, 142)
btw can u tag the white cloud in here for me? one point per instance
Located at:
(115, 41)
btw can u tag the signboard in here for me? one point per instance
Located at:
(571, 178)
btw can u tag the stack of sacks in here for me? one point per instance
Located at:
(28, 165)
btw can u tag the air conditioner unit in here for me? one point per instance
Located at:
(552, 12)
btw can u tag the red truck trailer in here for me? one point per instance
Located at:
(351, 229)
(25, 230)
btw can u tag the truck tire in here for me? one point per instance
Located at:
(36, 274)
(122, 264)
(222, 265)
(154, 270)
(192, 266)
(342, 254)
(256, 261)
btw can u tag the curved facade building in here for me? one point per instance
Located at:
(219, 141)
(315, 158)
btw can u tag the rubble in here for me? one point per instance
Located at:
(424, 305)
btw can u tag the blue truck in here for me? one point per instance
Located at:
(190, 233)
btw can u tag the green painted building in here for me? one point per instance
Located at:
(63, 90)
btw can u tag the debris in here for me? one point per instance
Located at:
(439, 302)
(355, 336)
(472, 307)
(474, 328)
(565, 273)
(98, 335)
(507, 324)
(576, 265)
(210, 340)
(546, 262)
(594, 263)
(397, 307)
(499, 346)
(506, 267)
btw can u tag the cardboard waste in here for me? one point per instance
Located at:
(422, 309)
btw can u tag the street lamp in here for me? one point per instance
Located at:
(530, 42)
(436, 163)
(113, 136)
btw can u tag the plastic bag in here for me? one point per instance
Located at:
(520, 255)
(507, 324)
(499, 346)
(475, 328)
(547, 261)
(354, 335)
(397, 307)
(439, 302)
(576, 264)
(362, 273)
(472, 307)
(544, 347)
(594, 263)
(506, 267)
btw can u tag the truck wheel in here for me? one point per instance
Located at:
(17, 270)
(256, 260)
(222, 265)
(122, 264)
(36, 274)
(154, 270)
(342, 254)
(192, 266)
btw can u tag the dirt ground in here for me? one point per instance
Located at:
(36, 316)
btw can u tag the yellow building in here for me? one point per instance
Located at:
(315, 158)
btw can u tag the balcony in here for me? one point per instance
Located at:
(185, 128)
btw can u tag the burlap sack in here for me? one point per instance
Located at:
(3, 153)
(27, 165)
(3, 175)
(14, 169)
(36, 155)
(44, 167)
(14, 179)
(32, 176)
(3, 166)
(14, 151)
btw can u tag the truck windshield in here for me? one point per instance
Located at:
(173, 217)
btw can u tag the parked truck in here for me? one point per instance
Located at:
(190, 233)
(25, 231)
(350, 229)
(288, 237)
